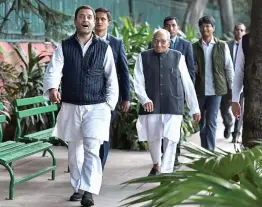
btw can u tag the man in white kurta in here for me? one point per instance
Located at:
(85, 64)
(165, 75)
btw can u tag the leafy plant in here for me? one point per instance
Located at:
(209, 179)
(32, 71)
(30, 82)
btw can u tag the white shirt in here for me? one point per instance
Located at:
(239, 74)
(54, 73)
(209, 78)
(235, 48)
(190, 94)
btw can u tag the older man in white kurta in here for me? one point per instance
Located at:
(85, 64)
(161, 80)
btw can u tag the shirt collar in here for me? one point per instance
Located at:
(104, 37)
(89, 41)
(173, 39)
(211, 42)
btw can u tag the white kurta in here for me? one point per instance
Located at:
(237, 88)
(157, 126)
(71, 125)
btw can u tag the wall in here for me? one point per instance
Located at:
(153, 12)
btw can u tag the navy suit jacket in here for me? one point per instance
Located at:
(121, 66)
(231, 48)
(185, 47)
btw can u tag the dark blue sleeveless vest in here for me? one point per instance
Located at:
(83, 81)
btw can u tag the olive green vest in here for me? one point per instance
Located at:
(218, 60)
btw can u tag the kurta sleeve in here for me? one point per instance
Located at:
(53, 73)
(239, 74)
(229, 68)
(112, 89)
(190, 93)
(139, 81)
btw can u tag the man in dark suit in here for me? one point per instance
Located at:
(103, 20)
(239, 31)
(183, 46)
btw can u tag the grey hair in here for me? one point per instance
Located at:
(162, 31)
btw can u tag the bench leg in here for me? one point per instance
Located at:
(54, 162)
(12, 180)
(66, 145)
(44, 153)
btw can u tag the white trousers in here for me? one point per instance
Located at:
(85, 165)
(168, 157)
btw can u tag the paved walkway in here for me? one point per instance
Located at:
(121, 166)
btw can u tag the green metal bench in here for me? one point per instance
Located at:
(12, 151)
(29, 107)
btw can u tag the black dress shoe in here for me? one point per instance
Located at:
(227, 132)
(153, 172)
(76, 197)
(87, 200)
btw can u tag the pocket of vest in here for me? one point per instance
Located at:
(175, 85)
(95, 71)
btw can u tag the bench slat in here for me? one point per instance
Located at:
(36, 111)
(18, 148)
(2, 118)
(10, 146)
(29, 101)
(6, 143)
(43, 132)
(25, 152)
(37, 139)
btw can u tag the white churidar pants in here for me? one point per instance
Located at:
(155, 127)
(85, 165)
(84, 127)
(168, 157)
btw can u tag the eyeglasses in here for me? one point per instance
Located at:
(162, 42)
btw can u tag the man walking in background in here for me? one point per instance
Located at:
(239, 83)
(233, 45)
(103, 20)
(214, 77)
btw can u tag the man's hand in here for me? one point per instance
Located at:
(125, 105)
(149, 107)
(197, 117)
(236, 109)
(54, 96)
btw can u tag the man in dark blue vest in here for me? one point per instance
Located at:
(85, 64)
(103, 20)
(162, 83)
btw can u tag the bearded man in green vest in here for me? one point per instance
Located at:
(214, 77)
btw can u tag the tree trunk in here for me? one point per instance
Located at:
(194, 12)
(227, 16)
(252, 123)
